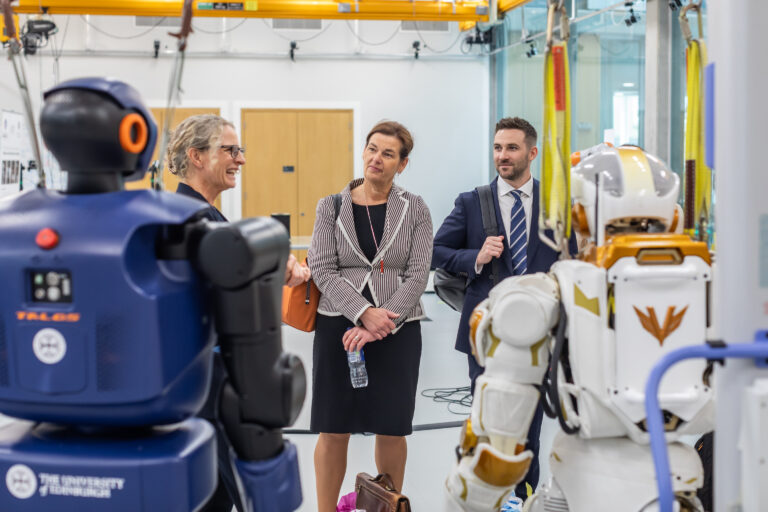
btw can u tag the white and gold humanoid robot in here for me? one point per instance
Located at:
(586, 336)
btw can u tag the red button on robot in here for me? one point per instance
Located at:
(47, 238)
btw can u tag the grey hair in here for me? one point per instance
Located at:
(199, 132)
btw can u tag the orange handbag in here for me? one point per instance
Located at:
(300, 306)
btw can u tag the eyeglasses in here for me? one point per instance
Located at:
(233, 150)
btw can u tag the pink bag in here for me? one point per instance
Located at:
(347, 503)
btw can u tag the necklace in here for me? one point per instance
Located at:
(370, 223)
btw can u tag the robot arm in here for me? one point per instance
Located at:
(509, 332)
(244, 263)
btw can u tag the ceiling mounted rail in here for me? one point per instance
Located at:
(417, 10)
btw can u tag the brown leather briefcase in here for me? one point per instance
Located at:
(379, 494)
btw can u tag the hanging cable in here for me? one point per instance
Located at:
(428, 47)
(698, 177)
(114, 36)
(174, 94)
(226, 30)
(555, 211)
(326, 27)
(357, 36)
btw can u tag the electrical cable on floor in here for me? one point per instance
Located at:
(459, 399)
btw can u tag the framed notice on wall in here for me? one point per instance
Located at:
(12, 145)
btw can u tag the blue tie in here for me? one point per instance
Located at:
(518, 239)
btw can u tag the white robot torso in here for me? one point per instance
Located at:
(645, 297)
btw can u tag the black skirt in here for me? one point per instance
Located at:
(386, 405)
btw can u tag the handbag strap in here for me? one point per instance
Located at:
(336, 211)
(488, 212)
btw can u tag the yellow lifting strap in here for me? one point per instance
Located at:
(698, 177)
(555, 210)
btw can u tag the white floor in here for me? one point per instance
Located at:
(430, 452)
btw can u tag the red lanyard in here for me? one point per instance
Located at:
(370, 223)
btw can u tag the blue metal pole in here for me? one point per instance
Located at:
(653, 412)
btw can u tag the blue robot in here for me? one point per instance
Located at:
(112, 304)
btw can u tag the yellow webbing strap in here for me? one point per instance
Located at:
(555, 211)
(698, 177)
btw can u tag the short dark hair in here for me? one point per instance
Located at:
(394, 129)
(518, 123)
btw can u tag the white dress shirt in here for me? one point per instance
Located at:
(507, 201)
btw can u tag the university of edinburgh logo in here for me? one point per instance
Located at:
(651, 324)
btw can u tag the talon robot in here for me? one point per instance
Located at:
(112, 303)
(636, 292)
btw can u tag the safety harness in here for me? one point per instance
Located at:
(698, 177)
(555, 210)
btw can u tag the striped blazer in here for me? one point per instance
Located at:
(341, 270)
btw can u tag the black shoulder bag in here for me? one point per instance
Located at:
(451, 287)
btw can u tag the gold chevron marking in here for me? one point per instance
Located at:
(581, 300)
(495, 341)
(651, 323)
(464, 490)
(535, 351)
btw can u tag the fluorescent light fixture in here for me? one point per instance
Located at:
(628, 84)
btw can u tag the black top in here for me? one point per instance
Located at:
(212, 213)
(363, 227)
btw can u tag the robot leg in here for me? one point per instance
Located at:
(510, 333)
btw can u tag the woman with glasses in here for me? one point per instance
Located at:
(204, 152)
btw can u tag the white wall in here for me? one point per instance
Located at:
(441, 97)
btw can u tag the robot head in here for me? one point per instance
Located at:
(98, 128)
(621, 191)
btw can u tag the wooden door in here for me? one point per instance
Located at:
(269, 177)
(170, 181)
(295, 157)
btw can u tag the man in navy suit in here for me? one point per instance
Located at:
(461, 245)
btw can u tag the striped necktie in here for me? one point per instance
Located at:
(518, 239)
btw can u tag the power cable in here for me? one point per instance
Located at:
(327, 26)
(357, 36)
(219, 31)
(428, 47)
(113, 36)
(456, 398)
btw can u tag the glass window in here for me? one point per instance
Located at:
(607, 65)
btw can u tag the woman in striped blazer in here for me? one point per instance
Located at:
(371, 265)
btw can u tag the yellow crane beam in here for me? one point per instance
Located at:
(418, 10)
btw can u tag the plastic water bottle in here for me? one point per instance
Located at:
(357, 372)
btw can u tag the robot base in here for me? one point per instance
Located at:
(50, 467)
(613, 474)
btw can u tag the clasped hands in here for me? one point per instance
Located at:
(377, 324)
(295, 272)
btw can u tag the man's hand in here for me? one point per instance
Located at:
(296, 273)
(492, 248)
(356, 337)
(378, 321)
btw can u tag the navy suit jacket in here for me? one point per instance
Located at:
(459, 239)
